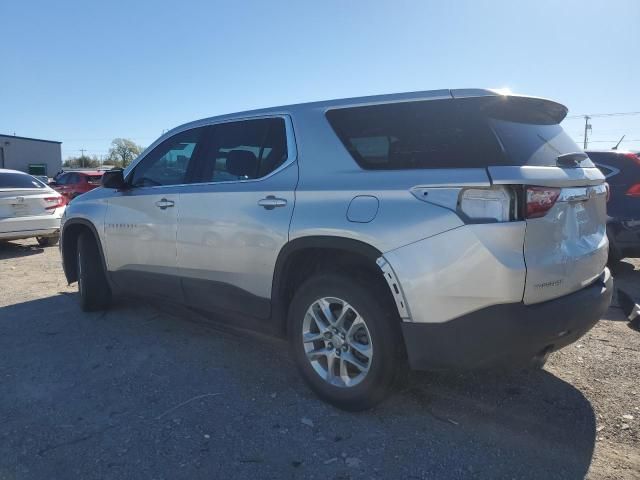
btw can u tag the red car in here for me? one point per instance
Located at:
(72, 184)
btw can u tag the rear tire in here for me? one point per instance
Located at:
(355, 358)
(615, 255)
(48, 241)
(93, 288)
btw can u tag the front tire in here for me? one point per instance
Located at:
(93, 288)
(48, 241)
(346, 341)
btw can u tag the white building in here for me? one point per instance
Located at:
(30, 155)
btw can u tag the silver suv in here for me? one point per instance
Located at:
(444, 229)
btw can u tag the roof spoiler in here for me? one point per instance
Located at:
(511, 106)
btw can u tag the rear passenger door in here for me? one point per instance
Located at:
(233, 221)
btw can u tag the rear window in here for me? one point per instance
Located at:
(535, 144)
(94, 178)
(19, 180)
(463, 133)
(425, 134)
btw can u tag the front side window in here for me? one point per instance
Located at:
(168, 163)
(244, 150)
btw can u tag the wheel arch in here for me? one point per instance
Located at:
(301, 258)
(71, 231)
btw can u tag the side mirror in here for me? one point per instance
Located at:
(113, 179)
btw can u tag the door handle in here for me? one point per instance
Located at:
(163, 204)
(270, 202)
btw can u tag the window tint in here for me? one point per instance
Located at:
(168, 163)
(94, 178)
(62, 179)
(606, 171)
(612, 158)
(425, 134)
(18, 180)
(535, 144)
(244, 150)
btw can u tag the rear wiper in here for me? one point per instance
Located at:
(571, 159)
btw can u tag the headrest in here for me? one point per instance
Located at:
(242, 163)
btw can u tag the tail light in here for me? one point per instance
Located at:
(55, 202)
(540, 200)
(493, 204)
(634, 190)
(634, 157)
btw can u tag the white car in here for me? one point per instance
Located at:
(29, 208)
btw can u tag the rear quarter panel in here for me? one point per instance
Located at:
(330, 179)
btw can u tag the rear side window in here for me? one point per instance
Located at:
(94, 179)
(425, 134)
(72, 179)
(61, 179)
(19, 180)
(461, 133)
(244, 150)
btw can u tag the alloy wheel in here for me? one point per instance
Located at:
(337, 342)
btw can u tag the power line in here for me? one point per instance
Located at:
(588, 126)
(612, 141)
(594, 115)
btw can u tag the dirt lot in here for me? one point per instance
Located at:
(150, 391)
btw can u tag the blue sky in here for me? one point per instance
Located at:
(86, 72)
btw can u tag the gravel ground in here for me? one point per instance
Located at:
(152, 391)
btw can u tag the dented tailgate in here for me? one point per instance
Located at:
(567, 248)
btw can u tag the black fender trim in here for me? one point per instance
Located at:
(94, 231)
(279, 310)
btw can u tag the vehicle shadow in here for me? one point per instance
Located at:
(190, 400)
(627, 278)
(16, 250)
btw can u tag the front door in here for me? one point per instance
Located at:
(141, 220)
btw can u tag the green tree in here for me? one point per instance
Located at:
(83, 161)
(122, 152)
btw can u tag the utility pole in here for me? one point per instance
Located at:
(82, 156)
(587, 127)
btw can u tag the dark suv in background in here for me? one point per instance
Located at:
(622, 170)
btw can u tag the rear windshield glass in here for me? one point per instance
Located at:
(452, 134)
(537, 145)
(19, 180)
